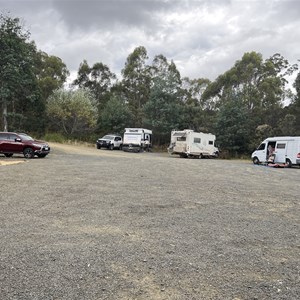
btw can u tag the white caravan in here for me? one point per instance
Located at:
(137, 139)
(187, 143)
(281, 150)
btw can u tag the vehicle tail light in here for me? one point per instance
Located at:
(298, 155)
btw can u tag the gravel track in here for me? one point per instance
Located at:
(97, 224)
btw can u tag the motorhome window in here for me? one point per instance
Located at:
(281, 146)
(197, 140)
(132, 133)
(262, 147)
(181, 139)
(210, 142)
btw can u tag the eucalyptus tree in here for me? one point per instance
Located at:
(199, 113)
(294, 107)
(98, 79)
(136, 83)
(165, 73)
(255, 85)
(297, 87)
(115, 116)
(19, 93)
(261, 84)
(232, 127)
(164, 110)
(194, 90)
(51, 73)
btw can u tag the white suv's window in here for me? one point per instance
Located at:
(108, 137)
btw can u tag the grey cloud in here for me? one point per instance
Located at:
(108, 13)
(204, 37)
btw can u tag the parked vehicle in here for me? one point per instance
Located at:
(11, 142)
(188, 143)
(280, 150)
(137, 139)
(110, 141)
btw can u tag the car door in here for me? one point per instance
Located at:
(261, 152)
(4, 142)
(117, 141)
(15, 143)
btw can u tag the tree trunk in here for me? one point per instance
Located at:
(5, 125)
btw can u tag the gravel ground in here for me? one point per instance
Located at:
(97, 224)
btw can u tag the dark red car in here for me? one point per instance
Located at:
(11, 142)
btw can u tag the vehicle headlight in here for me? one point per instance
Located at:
(37, 145)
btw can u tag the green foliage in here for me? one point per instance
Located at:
(232, 128)
(98, 79)
(260, 84)
(162, 114)
(287, 125)
(136, 83)
(242, 106)
(55, 137)
(51, 73)
(193, 91)
(115, 116)
(71, 111)
(297, 87)
(19, 92)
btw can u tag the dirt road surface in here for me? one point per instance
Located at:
(84, 223)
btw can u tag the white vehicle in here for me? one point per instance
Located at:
(137, 139)
(110, 141)
(187, 143)
(280, 150)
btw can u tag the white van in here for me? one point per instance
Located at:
(283, 149)
(188, 143)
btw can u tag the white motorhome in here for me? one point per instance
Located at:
(188, 143)
(137, 139)
(281, 149)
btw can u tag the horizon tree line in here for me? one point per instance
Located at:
(241, 106)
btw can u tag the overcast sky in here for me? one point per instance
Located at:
(203, 37)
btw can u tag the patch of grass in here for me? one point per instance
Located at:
(55, 137)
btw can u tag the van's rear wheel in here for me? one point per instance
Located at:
(288, 163)
(255, 160)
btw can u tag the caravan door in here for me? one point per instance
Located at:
(280, 152)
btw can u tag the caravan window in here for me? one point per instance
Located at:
(181, 139)
(210, 142)
(197, 140)
(280, 146)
